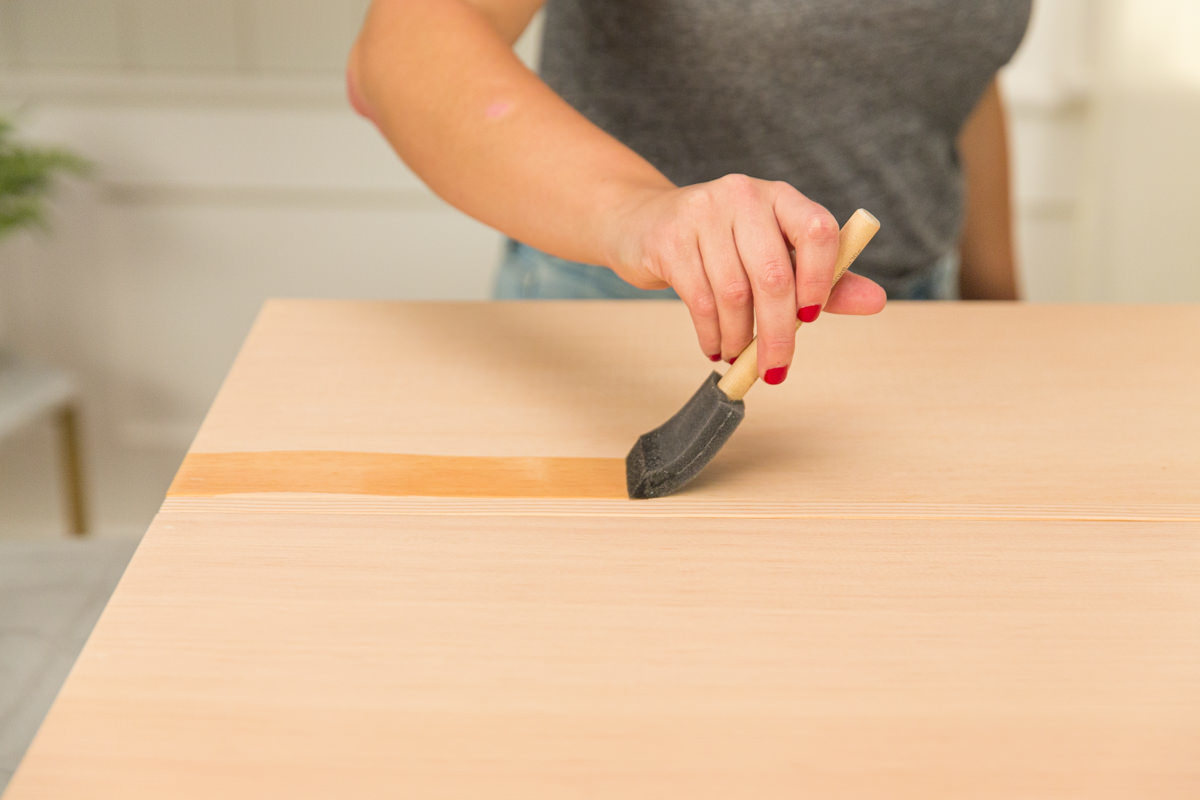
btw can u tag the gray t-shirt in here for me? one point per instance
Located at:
(853, 102)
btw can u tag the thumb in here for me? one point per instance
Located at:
(855, 294)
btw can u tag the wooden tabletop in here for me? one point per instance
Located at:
(956, 554)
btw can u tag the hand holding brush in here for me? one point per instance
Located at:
(665, 459)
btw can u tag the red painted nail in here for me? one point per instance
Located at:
(717, 357)
(809, 313)
(775, 375)
(732, 361)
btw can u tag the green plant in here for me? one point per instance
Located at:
(26, 174)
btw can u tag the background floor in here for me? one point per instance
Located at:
(51, 594)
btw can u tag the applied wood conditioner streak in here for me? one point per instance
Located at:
(397, 475)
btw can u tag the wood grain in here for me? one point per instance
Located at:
(956, 554)
(949, 408)
(308, 655)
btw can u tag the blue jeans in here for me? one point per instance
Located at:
(529, 274)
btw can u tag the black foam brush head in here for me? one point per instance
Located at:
(665, 459)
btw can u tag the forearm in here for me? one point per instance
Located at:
(986, 248)
(440, 80)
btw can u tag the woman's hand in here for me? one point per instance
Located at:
(725, 247)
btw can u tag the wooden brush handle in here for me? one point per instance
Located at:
(856, 233)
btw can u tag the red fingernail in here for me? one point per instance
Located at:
(775, 375)
(717, 357)
(809, 313)
(732, 360)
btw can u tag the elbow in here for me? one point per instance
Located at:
(355, 92)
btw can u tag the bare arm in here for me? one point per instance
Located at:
(440, 80)
(988, 264)
(442, 83)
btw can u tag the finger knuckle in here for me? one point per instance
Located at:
(739, 186)
(775, 278)
(698, 200)
(777, 344)
(737, 293)
(821, 226)
(702, 304)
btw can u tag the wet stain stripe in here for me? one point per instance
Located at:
(397, 475)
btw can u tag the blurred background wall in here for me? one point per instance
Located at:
(230, 169)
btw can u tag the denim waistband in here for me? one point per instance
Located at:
(526, 273)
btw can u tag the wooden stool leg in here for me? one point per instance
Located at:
(72, 466)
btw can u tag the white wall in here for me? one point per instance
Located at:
(1107, 120)
(230, 169)
(1141, 200)
(1048, 88)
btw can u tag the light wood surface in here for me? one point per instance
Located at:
(933, 410)
(308, 655)
(971, 567)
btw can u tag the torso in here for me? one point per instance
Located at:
(854, 102)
